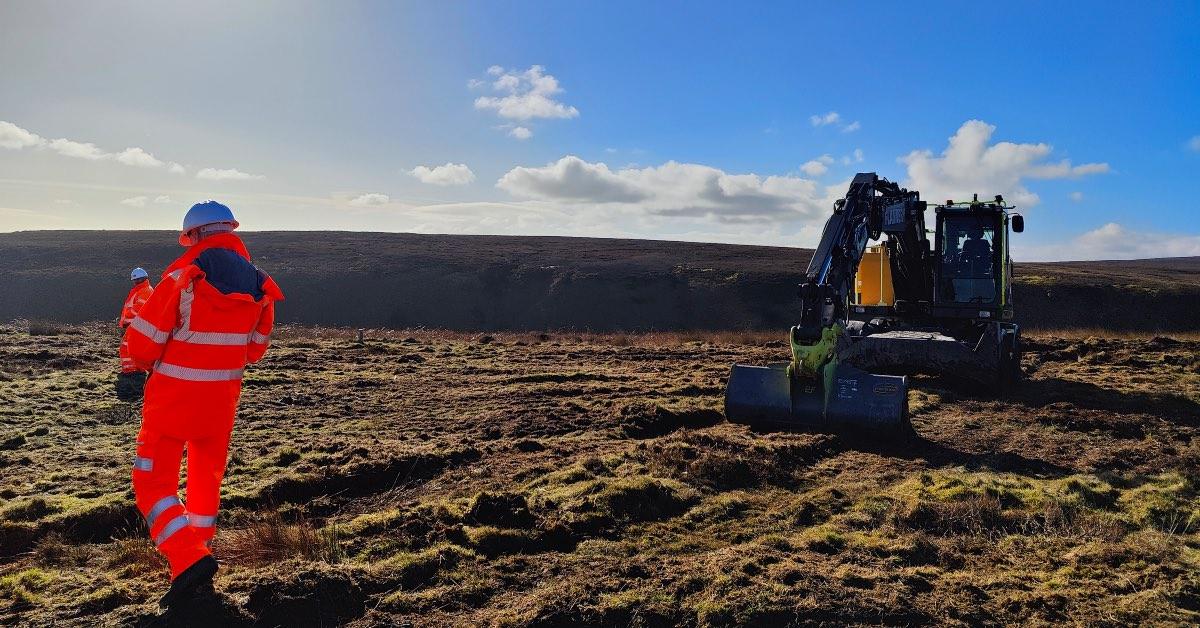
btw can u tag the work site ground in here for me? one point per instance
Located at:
(563, 479)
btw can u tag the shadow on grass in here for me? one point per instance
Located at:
(1170, 407)
(909, 445)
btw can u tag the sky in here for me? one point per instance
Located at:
(715, 122)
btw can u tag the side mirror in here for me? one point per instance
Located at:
(1018, 223)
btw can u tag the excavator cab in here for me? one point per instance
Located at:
(972, 267)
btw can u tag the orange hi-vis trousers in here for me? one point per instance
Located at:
(181, 530)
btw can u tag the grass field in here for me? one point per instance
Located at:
(441, 478)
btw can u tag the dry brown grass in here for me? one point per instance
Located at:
(653, 339)
(270, 539)
(1082, 333)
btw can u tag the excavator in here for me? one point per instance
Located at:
(872, 316)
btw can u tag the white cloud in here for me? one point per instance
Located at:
(137, 157)
(1115, 241)
(16, 138)
(817, 167)
(855, 157)
(1193, 143)
(970, 165)
(571, 179)
(834, 118)
(162, 199)
(370, 200)
(227, 174)
(80, 150)
(528, 95)
(446, 174)
(826, 119)
(135, 201)
(1076, 196)
(673, 190)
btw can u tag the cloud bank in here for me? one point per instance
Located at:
(969, 165)
(671, 189)
(370, 200)
(227, 174)
(14, 137)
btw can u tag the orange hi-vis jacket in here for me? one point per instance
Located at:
(196, 333)
(196, 340)
(138, 295)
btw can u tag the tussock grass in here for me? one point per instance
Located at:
(270, 539)
(48, 328)
(136, 556)
(22, 589)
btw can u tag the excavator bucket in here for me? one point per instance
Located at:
(845, 399)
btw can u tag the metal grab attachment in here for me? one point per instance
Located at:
(844, 398)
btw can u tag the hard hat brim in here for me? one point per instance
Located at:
(183, 235)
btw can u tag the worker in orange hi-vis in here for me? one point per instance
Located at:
(130, 381)
(209, 317)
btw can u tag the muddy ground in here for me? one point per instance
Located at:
(431, 478)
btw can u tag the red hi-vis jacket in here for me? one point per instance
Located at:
(138, 295)
(196, 339)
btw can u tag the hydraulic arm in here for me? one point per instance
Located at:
(815, 389)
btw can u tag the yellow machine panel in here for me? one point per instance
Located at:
(873, 283)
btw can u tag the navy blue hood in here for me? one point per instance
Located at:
(229, 272)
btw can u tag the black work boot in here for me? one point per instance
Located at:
(195, 579)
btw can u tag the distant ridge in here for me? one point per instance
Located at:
(536, 282)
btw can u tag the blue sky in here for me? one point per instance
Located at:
(696, 121)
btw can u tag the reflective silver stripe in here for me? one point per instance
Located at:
(186, 296)
(173, 526)
(202, 521)
(159, 507)
(184, 332)
(197, 375)
(211, 337)
(143, 464)
(147, 329)
(176, 273)
(259, 338)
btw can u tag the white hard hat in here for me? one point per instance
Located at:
(138, 273)
(203, 214)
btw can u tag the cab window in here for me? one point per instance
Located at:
(968, 250)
